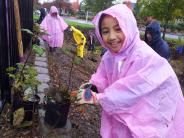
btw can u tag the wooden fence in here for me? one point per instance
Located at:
(8, 39)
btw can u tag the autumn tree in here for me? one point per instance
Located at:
(36, 5)
(59, 2)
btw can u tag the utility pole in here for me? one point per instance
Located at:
(86, 16)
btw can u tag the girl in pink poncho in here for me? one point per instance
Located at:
(55, 26)
(138, 90)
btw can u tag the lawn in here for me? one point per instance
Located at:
(35, 17)
(81, 25)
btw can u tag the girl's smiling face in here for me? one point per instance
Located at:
(112, 34)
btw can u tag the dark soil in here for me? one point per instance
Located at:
(178, 65)
(85, 119)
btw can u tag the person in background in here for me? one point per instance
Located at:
(55, 26)
(91, 46)
(80, 40)
(154, 40)
(137, 89)
(42, 15)
(149, 20)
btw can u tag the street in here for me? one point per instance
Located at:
(171, 36)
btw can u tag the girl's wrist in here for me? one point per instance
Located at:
(95, 100)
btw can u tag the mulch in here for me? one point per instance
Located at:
(85, 119)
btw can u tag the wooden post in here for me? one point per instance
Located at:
(18, 29)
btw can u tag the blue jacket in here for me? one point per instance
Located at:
(157, 43)
(42, 15)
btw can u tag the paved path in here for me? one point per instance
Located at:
(41, 64)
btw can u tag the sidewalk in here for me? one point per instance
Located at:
(41, 64)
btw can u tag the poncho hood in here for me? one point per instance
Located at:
(126, 22)
(154, 29)
(53, 9)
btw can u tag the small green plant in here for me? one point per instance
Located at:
(180, 42)
(63, 93)
(23, 75)
(77, 61)
(58, 94)
(23, 79)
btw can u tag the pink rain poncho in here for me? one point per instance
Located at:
(138, 90)
(55, 27)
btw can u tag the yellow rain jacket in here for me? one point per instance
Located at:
(80, 39)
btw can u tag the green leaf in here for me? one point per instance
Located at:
(25, 124)
(28, 31)
(11, 75)
(20, 65)
(10, 69)
(38, 50)
(18, 116)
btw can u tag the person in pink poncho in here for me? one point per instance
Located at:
(55, 26)
(137, 89)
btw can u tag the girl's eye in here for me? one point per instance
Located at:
(118, 29)
(105, 32)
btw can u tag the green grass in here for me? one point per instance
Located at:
(170, 40)
(175, 41)
(35, 17)
(89, 26)
(81, 25)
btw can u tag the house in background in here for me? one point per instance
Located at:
(75, 6)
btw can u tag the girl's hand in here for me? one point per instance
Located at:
(89, 86)
(86, 96)
(85, 85)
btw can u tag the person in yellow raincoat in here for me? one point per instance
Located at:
(80, 40)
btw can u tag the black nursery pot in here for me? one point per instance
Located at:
(29, 107)
(56, 114)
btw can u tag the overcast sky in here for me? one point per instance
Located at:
(120, 1)
(41, 1)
